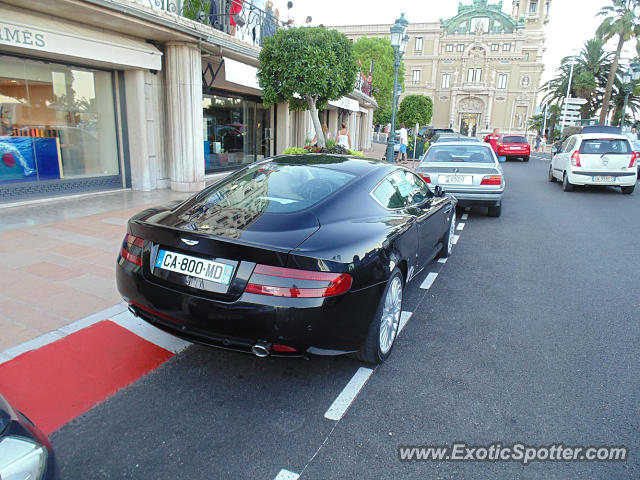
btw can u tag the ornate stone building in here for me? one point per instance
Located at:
(482, 67)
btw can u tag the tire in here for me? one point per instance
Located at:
(447, 244)
(374, 350)
(628, 190)
(567, 186)
(526, 159)
(495, 211)
(551, 177)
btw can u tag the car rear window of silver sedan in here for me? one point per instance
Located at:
(458, 153)
(600, 146)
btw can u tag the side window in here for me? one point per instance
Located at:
(401, 189)
(568, 144)
(388, 195)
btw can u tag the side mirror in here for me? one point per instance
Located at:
(554, 150)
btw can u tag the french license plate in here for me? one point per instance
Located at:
(194, 266)
(515, 148)
(458, 179)
(600, 178)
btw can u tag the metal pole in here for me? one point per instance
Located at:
(544, 120)
(566, 100)
(391, 139)
(415, 140)
(624, 109)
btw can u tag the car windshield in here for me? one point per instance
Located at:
(514, 139)
(459, 153)
(276, 188)
(600, 146)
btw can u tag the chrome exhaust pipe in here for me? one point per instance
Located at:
(261, 349)
(132, 310)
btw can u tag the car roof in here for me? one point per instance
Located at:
(462, 143)
(358, 166)
(602, 135)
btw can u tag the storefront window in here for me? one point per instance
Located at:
(56, 122)
(236, 132)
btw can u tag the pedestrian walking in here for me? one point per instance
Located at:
(537, 143)
(235, 16)
(404, 138)
(492, 139)
(343, 137)
(325, 132)
(543, 143)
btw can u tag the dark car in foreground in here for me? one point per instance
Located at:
(25, 452)
(467, 170)
(288, 256)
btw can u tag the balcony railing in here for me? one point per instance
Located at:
(242, 19)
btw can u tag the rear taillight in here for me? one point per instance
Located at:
(634, 157)
(491, 180)
(289, 282)
(426, 178)
(131, 249)
(575, 159)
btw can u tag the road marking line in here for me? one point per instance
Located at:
(286, 475)
(150, 333)
(465, 216)
(426, 285)
(404, 319)
(461, 226)
(348, 394)
(443, 260)
(455, 239)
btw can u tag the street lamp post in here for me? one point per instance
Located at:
(399, 40)
(628, 79)
(566, 100)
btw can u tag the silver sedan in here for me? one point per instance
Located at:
(468, 171)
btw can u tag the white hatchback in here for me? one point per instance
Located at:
(595, 159)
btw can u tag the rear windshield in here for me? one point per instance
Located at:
(276, 188)
(459, 153)
(600, 146)
(514, 140)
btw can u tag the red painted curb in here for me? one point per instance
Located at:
(60, 381)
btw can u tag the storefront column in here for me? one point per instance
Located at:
(282, 131)
(184, 116)
(333, 123)
(142, 172)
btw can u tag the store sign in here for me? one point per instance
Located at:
(19, 29)
(346, 103)
(10, 35)
(241, 73)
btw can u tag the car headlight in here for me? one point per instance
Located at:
(21, 459)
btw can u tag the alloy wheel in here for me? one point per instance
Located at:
(390, 320)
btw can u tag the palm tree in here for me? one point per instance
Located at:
(622, 21)
(618, 98)
(590, 73)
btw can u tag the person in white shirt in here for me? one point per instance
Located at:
(404, 139)
(290, 19)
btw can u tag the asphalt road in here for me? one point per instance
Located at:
(529, 334)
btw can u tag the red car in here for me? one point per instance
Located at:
(512, 146)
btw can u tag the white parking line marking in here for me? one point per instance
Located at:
(455, 239)
(443, 260)
(465, 216)
(348, 394)
(286, 475)
(404, 319)
(461, 226)
(149, 332)
(426, 285)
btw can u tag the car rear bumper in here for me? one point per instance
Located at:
(331, 325)
(623, 179)
(472, 199)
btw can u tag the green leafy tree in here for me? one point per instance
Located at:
(415, 109)
(381, 52)
(535, 122)
(622, 21)
(307, 67)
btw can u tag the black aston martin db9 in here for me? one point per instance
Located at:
(288, 256)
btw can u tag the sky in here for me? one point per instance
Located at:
(572, 22)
